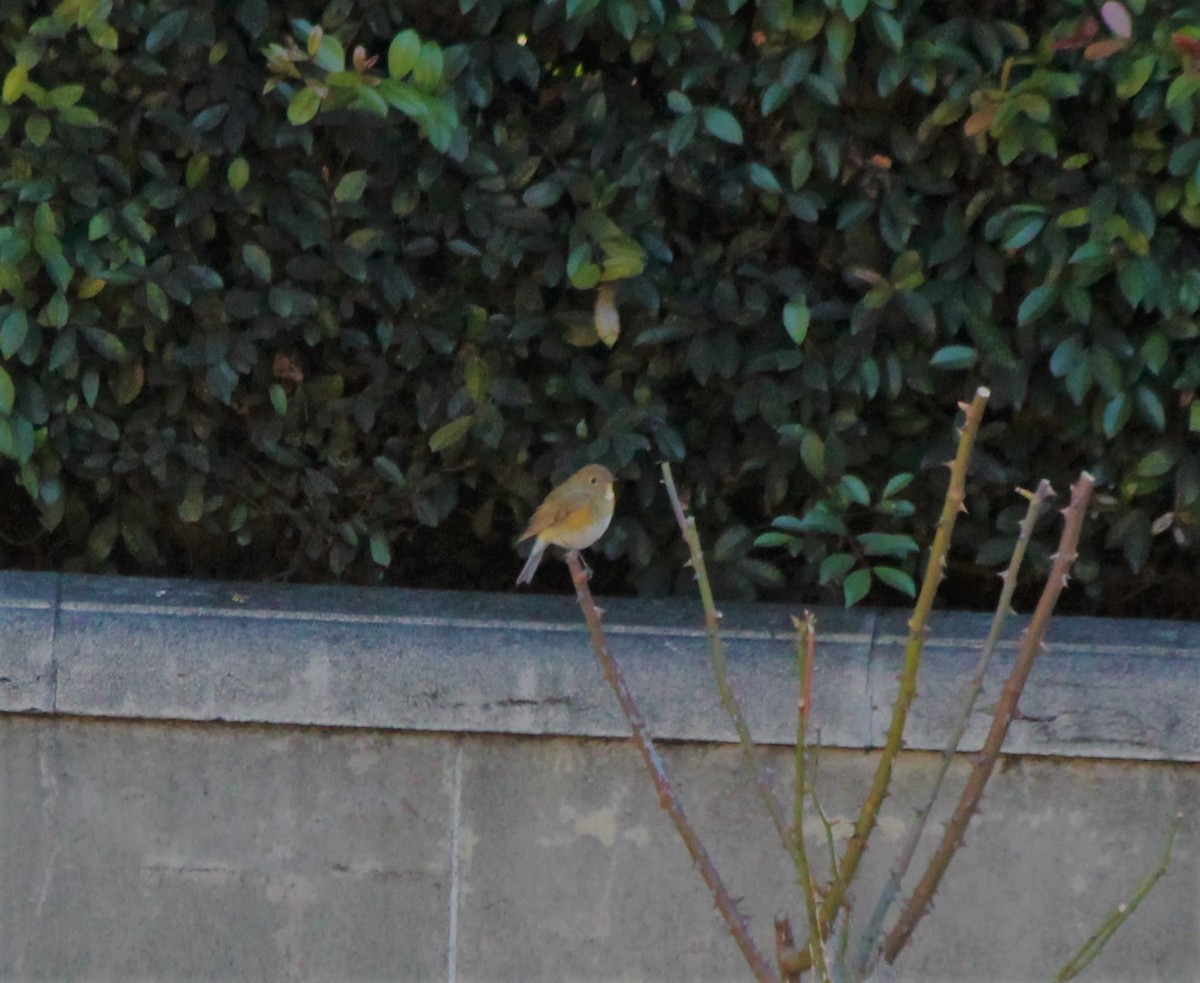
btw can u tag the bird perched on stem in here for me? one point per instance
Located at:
(573, 516)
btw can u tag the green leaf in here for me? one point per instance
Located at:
(403, 53)
(427, 73)
(834, 567)
(897, 579)
(954, 357)
(103, 537)
(855, 587)
(897, 484)
(1036, 303)
(15, 81)
(886, 544)
(57, 310)
(543, 194)
(678, 102)
(1151, 406)
(623, 16)
(1182, 89)
(330, 56)
(681, 133)
(13, 331)
(351, 186)
(820, 518)
(775, 96)
(1025, 232)
(450, 434)
(1132, 78)
(99, 225)
(812, 453)
(257, 261)
(775, 538)
(37, 129)
(106, 343)
(8, 393)
(303, 107)
(731, 543)
(856, 489)
(1116, 414)
(722, 124)
(1155, 464)
(854, 8)
(90, 386)
(44, 224)
(156, 301)
(407, 98)
(839, 38)
(440, 125)
(381, 552)
(763, 178)
(279, 400)
(1184, 158)
(167, 30)
(128, 382)
(586, 277)
(796, 318)
(577, 8)
(388, 468)
(890, 30)
(191, 509)
(238, 173)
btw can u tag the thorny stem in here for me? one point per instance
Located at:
(973, 414)
(667, 798)
(1006, 709)
(785, 950)
(891, 890)
(716, 655)
(1117, 917)
(805, 649)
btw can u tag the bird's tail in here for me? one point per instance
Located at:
(531, 565)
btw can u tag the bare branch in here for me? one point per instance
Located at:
(1005, 711)
(891, 890)
(934, 572)
(667, 798)
(716, 655)
(1117, 917)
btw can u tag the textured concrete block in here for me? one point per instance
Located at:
(170, 852)
(193, 852)
(570, 871)
(435, 660)
(27, 611)
(1101, 688)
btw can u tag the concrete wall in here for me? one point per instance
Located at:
(216, 782)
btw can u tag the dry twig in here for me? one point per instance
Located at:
(667, 798)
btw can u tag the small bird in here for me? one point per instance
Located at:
(573, 516)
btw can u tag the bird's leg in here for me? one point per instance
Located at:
(586, 568)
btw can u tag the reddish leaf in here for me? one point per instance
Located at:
(1098, 50)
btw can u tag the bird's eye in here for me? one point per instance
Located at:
(592, 479)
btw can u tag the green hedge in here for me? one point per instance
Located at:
(321, 300)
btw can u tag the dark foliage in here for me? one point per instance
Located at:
(322, 300)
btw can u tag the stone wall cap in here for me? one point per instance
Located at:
(522, 664)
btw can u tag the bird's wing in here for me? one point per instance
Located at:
(554, 510)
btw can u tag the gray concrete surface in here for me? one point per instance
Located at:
(152, 851)
(522, 664)
(223, 782)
